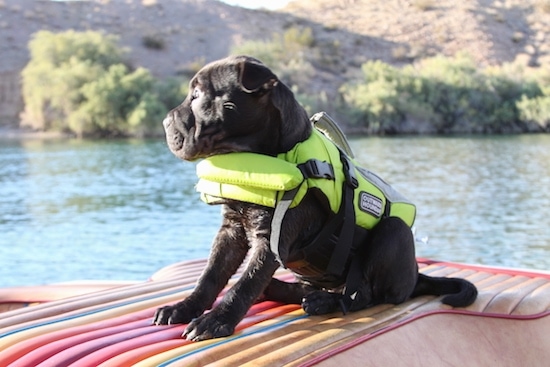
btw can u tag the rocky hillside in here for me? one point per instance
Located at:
(492, 31)
(171, 37)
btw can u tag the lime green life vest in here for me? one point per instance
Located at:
(358, 200)
(262, 180)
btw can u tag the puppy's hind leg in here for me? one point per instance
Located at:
(290, 293)
(390, 267)
(321, 302)
(312, 300)
(384, 271)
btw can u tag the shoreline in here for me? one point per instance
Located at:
(9, 133)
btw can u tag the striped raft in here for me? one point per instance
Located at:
(109, 324)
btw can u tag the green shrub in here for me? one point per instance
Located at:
(60, 64)
(79, 83)
(535, 110)
(118, 103)
(443, 95)
(373, 102)
(172, 91)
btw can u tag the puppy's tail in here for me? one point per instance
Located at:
(460, 292)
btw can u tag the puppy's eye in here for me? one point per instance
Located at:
(195, 94)
(230, 106)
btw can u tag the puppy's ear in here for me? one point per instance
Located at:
(255, 77)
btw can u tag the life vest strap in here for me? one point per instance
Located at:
(346, 214)
(315, 168)
(277, 221)
(341, 254)
(312, 168)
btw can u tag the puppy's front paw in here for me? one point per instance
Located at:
(321, 302)
(209, 326)
(175, 314)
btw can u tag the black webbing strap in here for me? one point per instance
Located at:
(353, 282)
(313, 168)
(340, 256)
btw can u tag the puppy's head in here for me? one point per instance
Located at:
(235, 104)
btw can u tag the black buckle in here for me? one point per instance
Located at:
(314, 168)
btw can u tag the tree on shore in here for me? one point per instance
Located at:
(78, 82)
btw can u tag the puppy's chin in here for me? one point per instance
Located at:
(187, 151)
(185, 148)
(186, 155)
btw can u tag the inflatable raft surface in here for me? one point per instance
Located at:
(110, 325)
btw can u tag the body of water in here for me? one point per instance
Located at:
(72, 210)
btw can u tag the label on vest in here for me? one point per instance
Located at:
(370, 204)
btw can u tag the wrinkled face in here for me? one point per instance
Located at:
(228, 109)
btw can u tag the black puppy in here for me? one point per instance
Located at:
(238, 105)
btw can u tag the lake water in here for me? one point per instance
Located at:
(72, 210)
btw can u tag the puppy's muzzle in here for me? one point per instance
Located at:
(174, 133)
